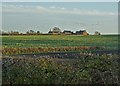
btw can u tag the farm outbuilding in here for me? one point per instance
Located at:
(97, 33)
(67, 32)
(55, 30)
(82, 32)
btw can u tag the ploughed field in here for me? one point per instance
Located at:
(60, 59)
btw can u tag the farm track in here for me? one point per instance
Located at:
(67, 54)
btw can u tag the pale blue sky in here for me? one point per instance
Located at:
(42, 16)
(60, 0)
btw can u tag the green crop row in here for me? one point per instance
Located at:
(52, 41)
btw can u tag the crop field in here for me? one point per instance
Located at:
(57, 43)
(60, 59)
(83, 70)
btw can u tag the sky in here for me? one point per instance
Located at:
(60, 0)
(74, 16)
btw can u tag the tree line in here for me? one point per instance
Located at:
(30, 32)
(55, 30)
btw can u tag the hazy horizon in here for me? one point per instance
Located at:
(74, 16)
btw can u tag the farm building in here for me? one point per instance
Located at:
(97, 33)
(67, 32)
(81, 32)
(55, 30)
